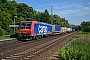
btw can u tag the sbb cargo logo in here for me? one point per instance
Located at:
(42, 29)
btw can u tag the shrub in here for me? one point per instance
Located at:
(78, 50)
(8, 31)
(1, 32)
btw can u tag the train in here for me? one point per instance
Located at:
(32, 29)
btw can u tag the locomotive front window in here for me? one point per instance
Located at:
(25, 25)
(22, 25)
(28, 25)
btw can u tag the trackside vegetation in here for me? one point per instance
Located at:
(79, 49)
(4, 37)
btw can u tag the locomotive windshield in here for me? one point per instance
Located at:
(25, 25)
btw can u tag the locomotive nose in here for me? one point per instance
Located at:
(25, 31)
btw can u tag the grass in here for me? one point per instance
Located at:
(79, 49)
(4, 37)
(9, 36)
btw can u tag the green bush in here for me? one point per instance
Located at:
(8, 31)
(78, 50)
(1, 32)
(74, 53)
(85, 26)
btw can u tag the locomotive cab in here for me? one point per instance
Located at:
(25, 27)
(26, 30)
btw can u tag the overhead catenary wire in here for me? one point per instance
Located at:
(48, 9)
(41, 3)
(51, 7)
(48, 3)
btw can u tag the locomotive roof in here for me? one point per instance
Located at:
(32, 20)
(26, 21)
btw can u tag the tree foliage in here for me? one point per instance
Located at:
(8, 7)
(60, 21)
(1, 32)
(85, 26)
(25, 11)
(5, 19)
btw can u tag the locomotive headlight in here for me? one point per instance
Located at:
(20, 32)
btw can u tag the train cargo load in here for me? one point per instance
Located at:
(56, 29)
(63, 29)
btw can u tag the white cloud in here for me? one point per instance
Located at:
(56, 8)
(71, 9)
(82, 11)
(78, 6)
(67, 6)
(86, 8)
(71, 5)
(39, 6)
(89, 3)
(66, 12)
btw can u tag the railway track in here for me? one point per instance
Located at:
(4, 44)
(19, 47)
(34, 50)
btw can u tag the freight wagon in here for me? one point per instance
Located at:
(69, 29)
(56, 29)
(63, 29)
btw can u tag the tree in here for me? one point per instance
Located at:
(42, 16)
(18, 20)
(4, 1)
(9, 8)
(85, 26)
(5, 20)
(25, 11)
(60, 21)
(38, 16)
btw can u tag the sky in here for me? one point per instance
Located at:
(75, 11)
